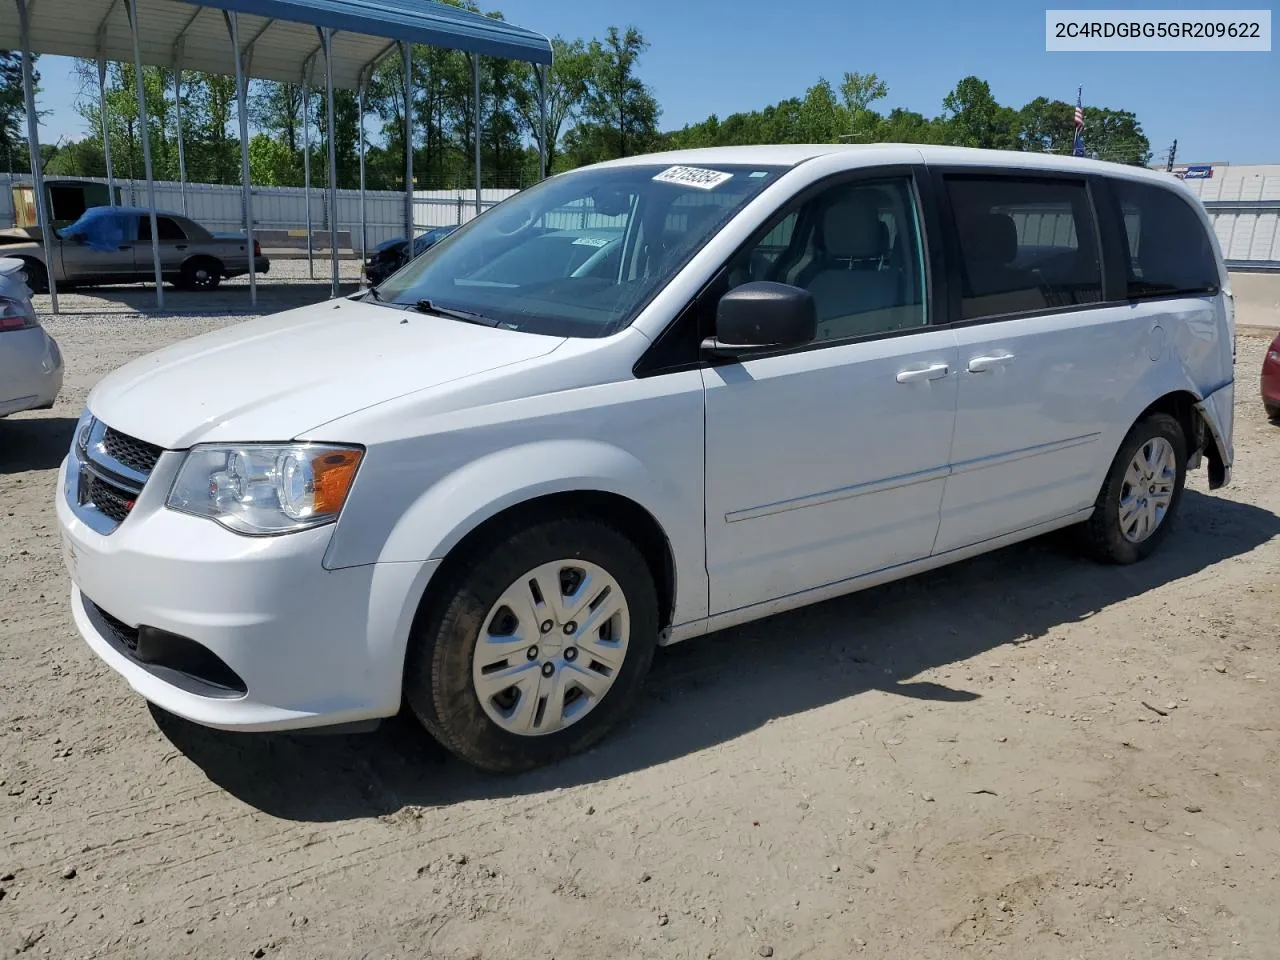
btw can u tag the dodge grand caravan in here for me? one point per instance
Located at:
(633, 404)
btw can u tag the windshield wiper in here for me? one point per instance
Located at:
(467, 316)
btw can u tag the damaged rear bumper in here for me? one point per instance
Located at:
(1217, 410)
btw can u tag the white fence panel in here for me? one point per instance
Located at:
(219, 207)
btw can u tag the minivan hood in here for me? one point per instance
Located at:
(276, 377)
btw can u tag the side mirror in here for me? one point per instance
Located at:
(761, 316)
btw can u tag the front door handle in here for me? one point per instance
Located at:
(935, 371)
(181, 246)
(984, 364)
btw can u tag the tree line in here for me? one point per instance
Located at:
(971, 117)
(597, 107)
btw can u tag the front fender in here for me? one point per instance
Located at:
(462, 500)
(437, 518)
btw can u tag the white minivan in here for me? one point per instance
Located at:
(633, 404)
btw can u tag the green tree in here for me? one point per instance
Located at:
(271, 162)
(618, 104)
(1115, 135)
(1046, 126)
(566, 89)
(976, 119)
(346, 143)
(13, 112)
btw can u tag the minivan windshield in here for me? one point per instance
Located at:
(579, 254)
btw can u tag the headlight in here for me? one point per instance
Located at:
(260, 489)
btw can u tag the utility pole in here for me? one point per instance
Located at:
(1173, 151)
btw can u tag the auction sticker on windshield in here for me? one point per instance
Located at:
(693, 177)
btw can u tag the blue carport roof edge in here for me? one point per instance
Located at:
(416, 21)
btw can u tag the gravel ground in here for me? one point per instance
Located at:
(1021, 756)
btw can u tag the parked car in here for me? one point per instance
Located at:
(1271, 380)
(30, 362)
(390, 255)
(792, 372)
(113, 245)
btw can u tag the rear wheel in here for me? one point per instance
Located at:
(1139, 499)
(1273, 411)
(201, 274)
(539, 644)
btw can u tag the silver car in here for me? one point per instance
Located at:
(30, 361)
(113, 245)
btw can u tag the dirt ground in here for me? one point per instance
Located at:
(1022, 756)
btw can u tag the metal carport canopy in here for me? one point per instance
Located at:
(278, 37)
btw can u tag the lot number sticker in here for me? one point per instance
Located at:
(693, 177)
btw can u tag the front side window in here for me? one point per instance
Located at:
(1025, 244)
(856, 248)
(1169, 249)
(579, 254)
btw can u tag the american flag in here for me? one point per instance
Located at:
(1077, 148)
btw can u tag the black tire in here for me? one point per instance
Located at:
(37, 277)
(438, 671)
(1103, 537)
(201, 273)
(1273, 411)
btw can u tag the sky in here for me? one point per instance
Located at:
(724, 56)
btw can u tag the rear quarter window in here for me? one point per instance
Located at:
(1169, 250)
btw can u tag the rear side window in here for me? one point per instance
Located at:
(1169, 249)
(1025, 244)
(168, 228)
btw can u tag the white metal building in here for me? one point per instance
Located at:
(1243, 201)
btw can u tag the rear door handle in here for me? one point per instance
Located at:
(935, 371)
(181, 246)
(984, 364)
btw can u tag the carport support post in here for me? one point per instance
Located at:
(178, 50)
(326, 41)
(106, 134)
(33, 149)
(306, 162)
(144, 131)
(364, 230)
(242, 108)
(406, 58)
(542, 121)
(475, 80)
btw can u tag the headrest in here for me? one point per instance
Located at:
(990, 238)
(851, 229)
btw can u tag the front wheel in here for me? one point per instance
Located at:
(539, 644)
(1139, 499)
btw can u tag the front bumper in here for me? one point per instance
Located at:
(311, 647)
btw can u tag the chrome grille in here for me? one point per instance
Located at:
(135, 454)
(111, 500)
(111, 470)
